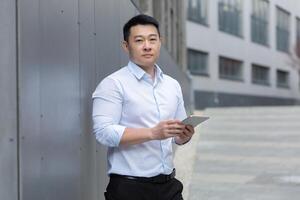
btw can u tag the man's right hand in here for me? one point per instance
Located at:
(166, 129)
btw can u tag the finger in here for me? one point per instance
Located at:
(176, 131)
(172, 122)
(176, 126)
(190, 128)
(188, 132)
(184, 136)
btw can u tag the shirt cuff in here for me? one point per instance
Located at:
(174, 141)
(119, 131)
(111, 135)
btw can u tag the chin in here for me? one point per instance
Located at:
(146, 63)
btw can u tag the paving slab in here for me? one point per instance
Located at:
(243, 154)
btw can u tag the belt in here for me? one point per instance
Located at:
(161, 178)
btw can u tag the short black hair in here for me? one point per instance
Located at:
(141, 19)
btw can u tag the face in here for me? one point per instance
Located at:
(143, 45)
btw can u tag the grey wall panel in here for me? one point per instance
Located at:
(59, 100)
(8, 102)
(108, 39)
(30, 146)
(50, 128)
(89, 187)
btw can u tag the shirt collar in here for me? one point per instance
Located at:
(138, 72)
(159, 73)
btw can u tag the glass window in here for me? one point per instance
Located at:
(260, 21)
(197, 62)
(282, 79)
(260, 75)
(230, 69)
(282, 30)
(230, 16)
(197, 11)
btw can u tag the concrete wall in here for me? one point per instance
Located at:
(52, 56)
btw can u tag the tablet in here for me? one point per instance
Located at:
(194, 120)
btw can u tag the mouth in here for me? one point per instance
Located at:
(147, 55)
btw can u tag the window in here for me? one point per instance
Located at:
(230, 16)
(197, 11)
(298, 37)
(197, 62)
(230, 69)
(260, 75)
(260, 21)
(282, 79)
(282, 30)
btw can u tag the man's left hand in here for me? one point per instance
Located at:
(186, 135)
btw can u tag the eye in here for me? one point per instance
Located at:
(138, 40)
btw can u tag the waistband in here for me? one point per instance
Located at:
(161, 178)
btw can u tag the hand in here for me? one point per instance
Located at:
(186, 135)
(167, 129)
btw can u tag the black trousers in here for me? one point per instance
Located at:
(126, 189)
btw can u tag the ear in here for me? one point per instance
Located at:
(125, 46)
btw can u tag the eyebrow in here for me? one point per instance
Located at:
(151, 35)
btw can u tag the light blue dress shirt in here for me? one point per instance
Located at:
(130, 98)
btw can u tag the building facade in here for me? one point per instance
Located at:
(242, 53)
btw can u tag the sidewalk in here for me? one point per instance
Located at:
(243, 154)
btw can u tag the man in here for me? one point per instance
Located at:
(137, 113)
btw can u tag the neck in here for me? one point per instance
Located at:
(149, 70)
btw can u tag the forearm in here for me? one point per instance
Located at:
(133, 136)
(163, 130)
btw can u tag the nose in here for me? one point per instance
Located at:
(147, 46)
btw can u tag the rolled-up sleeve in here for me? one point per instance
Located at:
(107, 110)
